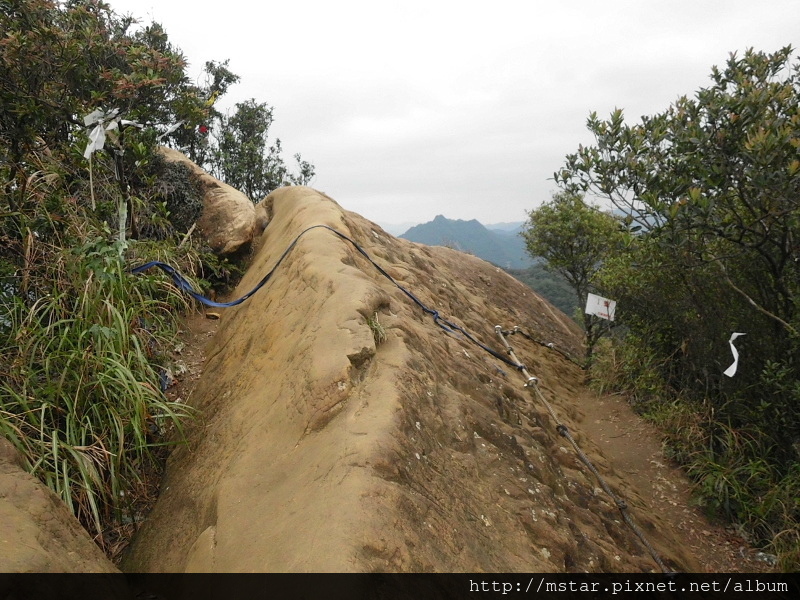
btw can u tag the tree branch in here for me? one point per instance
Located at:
(755, 304)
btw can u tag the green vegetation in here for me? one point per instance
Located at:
(83, 344)
(549, 284)
(242, 159)
(80, 392)
(378, 332)
(711, 193)
(574, 239)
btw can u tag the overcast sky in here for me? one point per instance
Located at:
(411, 109)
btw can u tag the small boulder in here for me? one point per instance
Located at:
(228, 218)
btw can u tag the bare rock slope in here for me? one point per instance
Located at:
(324, 443)
(38, 534)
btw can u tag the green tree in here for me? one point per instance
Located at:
(574, 238)
(717, 175)
(60, 62)
(243, 158)
(713, 183)
(195, 140)
(305, 172)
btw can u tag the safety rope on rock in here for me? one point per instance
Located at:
(533, 383)
(182, 283)
(550, 345)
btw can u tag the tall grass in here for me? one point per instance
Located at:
(82, 342)
(79, 392)
(734, 479)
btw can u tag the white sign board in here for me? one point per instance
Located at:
(602, 307)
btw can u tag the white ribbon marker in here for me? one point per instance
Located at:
(105, 121)
(731, 371)
(169, 130)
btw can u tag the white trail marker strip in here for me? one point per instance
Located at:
(731, 371)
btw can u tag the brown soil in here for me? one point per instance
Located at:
(633, 446)
(320, 447)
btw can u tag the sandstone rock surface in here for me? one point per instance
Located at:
(228, 216)
(38, 534)
(343, 430)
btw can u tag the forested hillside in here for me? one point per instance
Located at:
(550, 285)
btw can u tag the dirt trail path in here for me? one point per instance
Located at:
(634, 449)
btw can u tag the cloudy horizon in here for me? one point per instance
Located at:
(409, 110)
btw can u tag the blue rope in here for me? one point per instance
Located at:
(182, 283)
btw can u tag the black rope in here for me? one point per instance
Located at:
(182, 283)
(563, 431)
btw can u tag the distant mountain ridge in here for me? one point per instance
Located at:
(506, 227)
(396, 229)
(503, 248)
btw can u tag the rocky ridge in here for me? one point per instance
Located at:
(343, 430)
